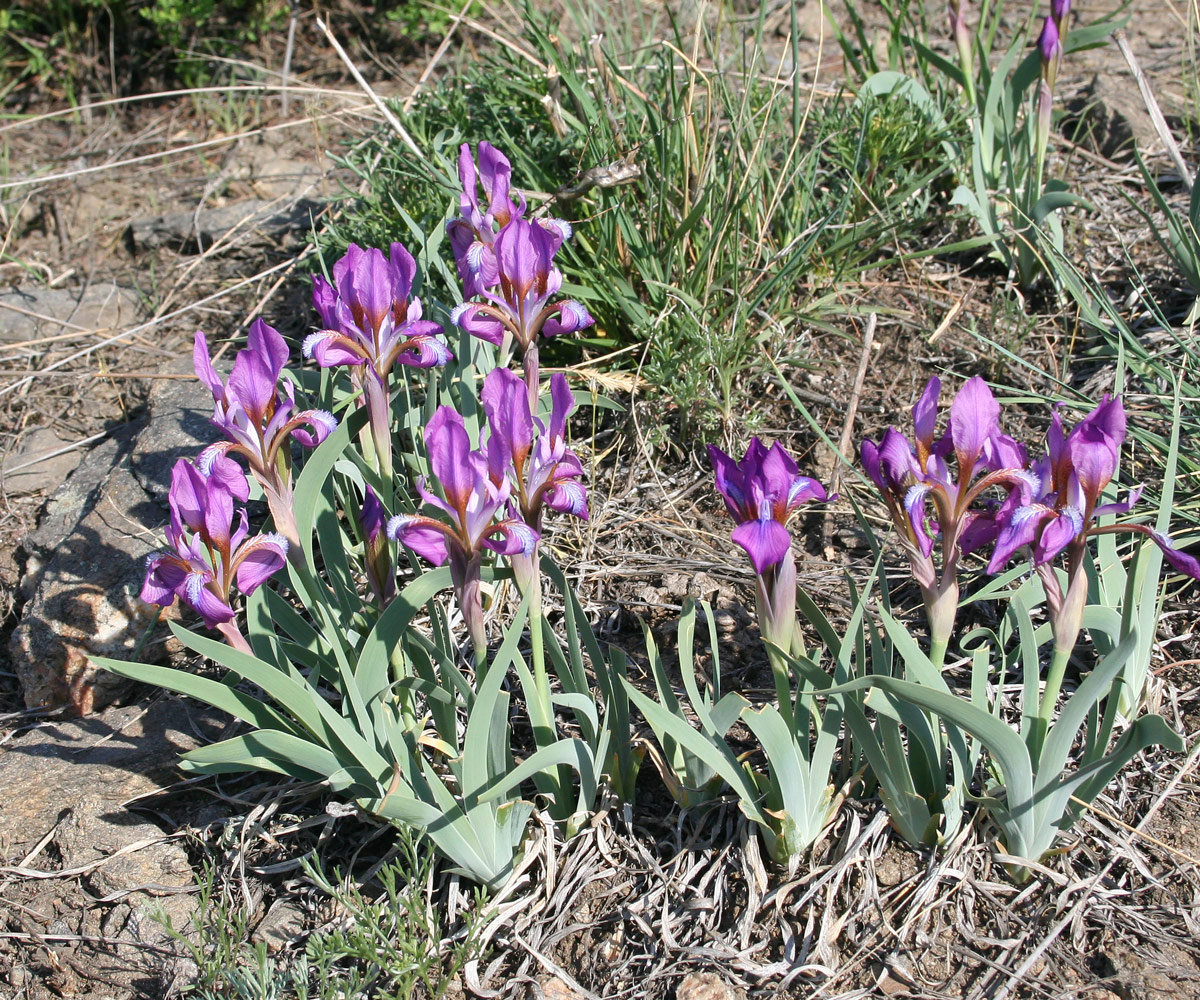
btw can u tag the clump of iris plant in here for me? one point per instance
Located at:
(208, 554)
(371, 325)
(761, 493)
(256, 411)
(509, 271)
(934, 505)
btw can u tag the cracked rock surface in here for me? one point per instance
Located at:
(85, 561)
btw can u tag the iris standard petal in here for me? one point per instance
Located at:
(202, 363)
(974, 417)
(252, 384)
(188, 494)
(730, 483)
(267, 342)
(924, 414)
(448, 446)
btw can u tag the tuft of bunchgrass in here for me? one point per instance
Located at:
(718, 207)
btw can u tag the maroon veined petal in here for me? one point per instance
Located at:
(214, 463)
(1123, 507)
(328, 348)
(202, 362)
(208, 605)
(765, 540)
(267, 342)
(478, 324)
(572, 316)
(257, 559)
(511, 537)
(804, 489)
(1179, 560)
(1018, 530)
(425, 536)
(914, 505)
(322, 422)
(165, 575)
(568, 496)
(1057, 535)
(422, 348)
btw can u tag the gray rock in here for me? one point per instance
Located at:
(86, 560)
(192, 232)
(39, 313)
(40, 464)
(64, 785)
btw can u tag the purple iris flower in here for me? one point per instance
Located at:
(473, 233)
(371, 325)
(209, 555)
(368, 317)
(1050, 48)
(761, 492)
(471, 503)
(1059, 505)
(256, 411)
(544, 472)
(930, 503)
(523, 305)
(527, 280)
(535, 460)
(378, 557)
(1060, 10)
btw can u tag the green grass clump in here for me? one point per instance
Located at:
(750, 208)
(386, 938)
